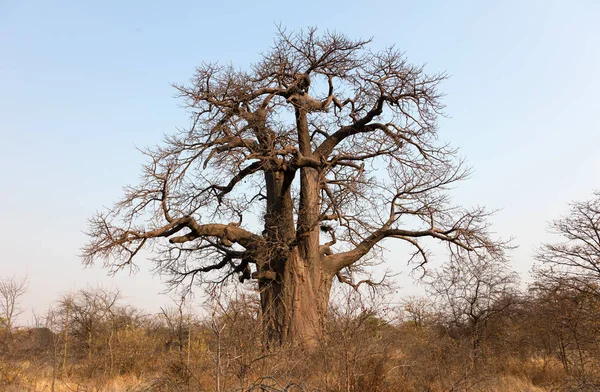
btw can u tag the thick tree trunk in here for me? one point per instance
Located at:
(294, 305)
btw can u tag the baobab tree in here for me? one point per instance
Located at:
(292, 173)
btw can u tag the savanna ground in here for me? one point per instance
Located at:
(543, 340)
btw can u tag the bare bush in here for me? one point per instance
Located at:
(11, 291)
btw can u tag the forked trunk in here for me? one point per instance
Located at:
(294, 287)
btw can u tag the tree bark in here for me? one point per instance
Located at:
(294, 307)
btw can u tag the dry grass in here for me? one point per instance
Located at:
(360, 352)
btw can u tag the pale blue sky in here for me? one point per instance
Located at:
(81, 85)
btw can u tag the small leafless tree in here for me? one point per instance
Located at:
(87, 318)
(577, 257)
(418, 311)
(175, 319)
(65, 304)
(565, 322)
(473, 290)
(326, 145)
(11, 291)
